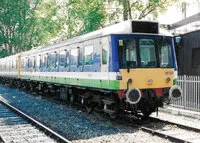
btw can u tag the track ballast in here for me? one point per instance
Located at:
(16, 126)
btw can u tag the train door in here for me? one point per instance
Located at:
(104, 62)
(104, 54)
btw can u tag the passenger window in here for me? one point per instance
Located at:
(104, 55)
(38, 61)
(88, 55)
(30, 62)
(34, 61)
(16, 64)
(80, 56)
(74, 57)
(22, 63)
(44, 60)
(9, 65)
(57, 60)
(48, 60)
(63, 59)
(52, 60)
(26, 62)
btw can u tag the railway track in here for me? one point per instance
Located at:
(16, 126)
(174, 132)
(165, 129)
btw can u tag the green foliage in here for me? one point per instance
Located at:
(84, 16)
(3, 53)
(25, 24)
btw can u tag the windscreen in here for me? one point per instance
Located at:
(145, 53)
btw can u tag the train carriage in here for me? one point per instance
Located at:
(129, 67)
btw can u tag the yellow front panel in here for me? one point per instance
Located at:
(147, 78)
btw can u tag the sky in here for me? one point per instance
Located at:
(174, 14)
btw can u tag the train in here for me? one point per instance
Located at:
(125, 68)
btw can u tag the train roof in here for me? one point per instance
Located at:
(125, 27)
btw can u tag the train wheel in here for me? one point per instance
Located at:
(86, 103)
(89, 107)
(113, 111)
(113, 116)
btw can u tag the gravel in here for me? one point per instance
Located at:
(73, 124)
(193, 122)
(69, 122)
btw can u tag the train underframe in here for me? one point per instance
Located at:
(113, 103)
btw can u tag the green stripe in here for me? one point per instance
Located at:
(104, 84)
(175, 81)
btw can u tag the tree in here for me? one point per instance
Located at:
(27, 23)
(139, 9)
(84, 16)
(48, 22)
(12, 21)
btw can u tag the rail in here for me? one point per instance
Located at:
(39, 125)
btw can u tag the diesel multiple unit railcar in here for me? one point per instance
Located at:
(129, 67)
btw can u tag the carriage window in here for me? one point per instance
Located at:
(4, 66)
(62, 59)
(67, 59)
(88, 55)
(9, 65)
(26, 62)
(38, 61)
(30, 62)
(74, 57)
(16, 63)
(44, 60)
(34, 61)
(22, 63)
(147, 53)
(48, 60)
(57, 60)
(80, 56)
(52, 60)
(104, 55)
(127, 53)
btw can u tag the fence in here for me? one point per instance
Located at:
(191, 93)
